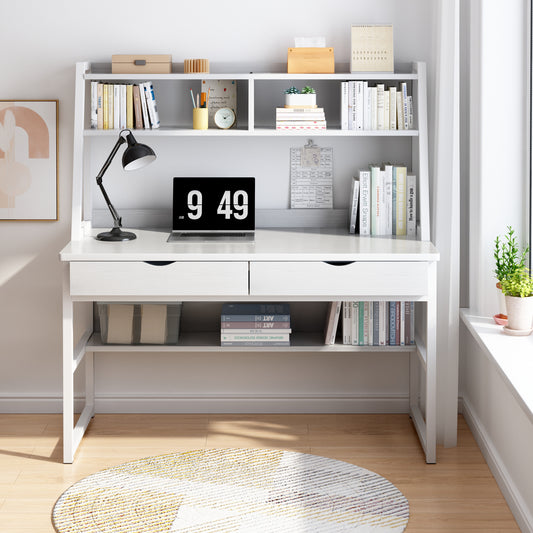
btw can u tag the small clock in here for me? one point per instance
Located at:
(224, 118)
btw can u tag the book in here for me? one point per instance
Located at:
(387, 199)
(405, 106)
(116, 106)
(255, 343)
(254, 331)
(144, 108)
(392, 323)
(332, 321)
(347, 322)
(355, 323)
(129, 107)
(401, 181)
(345, 105)
(376, 199)
(354, 202)
(110, 106)
(255, 337)
(399, 110)
(392, 108)
(100, 106)
(151, 104)
(364, 202)
(373, 108)
(367, 106)
(123, 106)
(386, 110)
(411, 205)
(137, 108)
(257, 312)
(94, 105)
(383, 323)
(105, 107)
(360, 105)
(301, 127)
(251, 324)
(380, 103)
(375, 323)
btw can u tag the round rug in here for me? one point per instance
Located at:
(233, 490)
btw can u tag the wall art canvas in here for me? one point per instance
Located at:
(28, 160)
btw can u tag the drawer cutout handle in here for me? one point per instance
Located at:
(159, 263)
(339, 263)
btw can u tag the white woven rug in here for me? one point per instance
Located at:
(235, 490)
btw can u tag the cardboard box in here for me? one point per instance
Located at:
(141, 64)
(310, 61)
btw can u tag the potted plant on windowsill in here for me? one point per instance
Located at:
(306, 97)
(518, 290)
(508, 260)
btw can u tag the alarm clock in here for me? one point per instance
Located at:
(224, 118)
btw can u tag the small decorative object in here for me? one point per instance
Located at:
(508, 260)
(222, 94)
(141, 64)
(310, 60)
(304, 98)
(518, 290)
(195, 65)
(28, 160)
(372, 48)
(224, 118)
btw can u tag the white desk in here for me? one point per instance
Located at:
(280, 265)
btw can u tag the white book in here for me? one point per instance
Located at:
(411, 205)
(405, 103)
(347, 322)
(94, 104)
(386, 103)
(364, 202)
(255, 331)
(332, 321)
(144, 108)
(399, 111)
(376, 196)
(374, 108)
(110, 106)
(392, 108)
(116, 106)
(401, 184)
(411, 113)
(367, 113)
(354, 201)
(151, 105)
(345, 106)
(366, 323)
(380, 103)
(402, 322)
(383, 322)
(360, 103)
(352, 105)
(153, 324)
(412, 323)
(387, 211)
(355, 323)
(123, 103)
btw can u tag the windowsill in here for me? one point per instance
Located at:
(513, 356)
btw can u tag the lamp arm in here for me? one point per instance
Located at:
(116, 218)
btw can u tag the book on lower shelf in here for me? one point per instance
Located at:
(255, 324)
(300, 118)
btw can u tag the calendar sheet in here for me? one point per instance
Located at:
(312, 177)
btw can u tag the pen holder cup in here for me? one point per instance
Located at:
(199, 118)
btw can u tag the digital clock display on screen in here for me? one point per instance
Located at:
(213, 204)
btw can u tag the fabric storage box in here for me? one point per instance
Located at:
(141, 64)
(139, 323)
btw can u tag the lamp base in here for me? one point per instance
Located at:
(116, 234)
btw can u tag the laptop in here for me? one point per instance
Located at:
(218, 209)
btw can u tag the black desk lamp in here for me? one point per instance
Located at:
(135, 156)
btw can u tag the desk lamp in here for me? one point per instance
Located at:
(135, 156)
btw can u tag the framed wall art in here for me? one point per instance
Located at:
(28, 160)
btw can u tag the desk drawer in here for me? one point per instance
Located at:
(353, 279)
(137, 278)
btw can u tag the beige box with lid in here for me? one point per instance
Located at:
(141, 64)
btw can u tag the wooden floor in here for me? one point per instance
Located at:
(457, 494)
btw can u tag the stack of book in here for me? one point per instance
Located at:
(366, 107)
(119, 106)
(255, 324)
(294, 119)
(378, 323)
(383, 201)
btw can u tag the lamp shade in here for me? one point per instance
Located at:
(136, 155)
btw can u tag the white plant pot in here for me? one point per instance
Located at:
(300, 100)
(519, 313)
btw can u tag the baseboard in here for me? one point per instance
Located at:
(512, 495)
(215, 404)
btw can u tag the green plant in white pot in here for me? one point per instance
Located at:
(508, 259)
(305, 97)
(518, 290)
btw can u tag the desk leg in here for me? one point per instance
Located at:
(68, 369)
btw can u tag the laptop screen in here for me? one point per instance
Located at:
(213, 204)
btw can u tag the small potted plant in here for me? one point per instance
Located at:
(518, 290)
(508, 259)
(306, 97)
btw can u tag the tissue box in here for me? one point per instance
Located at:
(141, 64)
(139, 323)
(310, 61)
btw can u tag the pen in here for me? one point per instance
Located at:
(192, 96)
(202, 100)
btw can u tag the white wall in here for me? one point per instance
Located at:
(41, 43)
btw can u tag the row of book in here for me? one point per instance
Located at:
(377, 323)
(297, 119)
(383, 201)
(255, 324)
(119, 106)
(366, 107)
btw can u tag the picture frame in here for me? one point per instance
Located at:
(29, 160)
